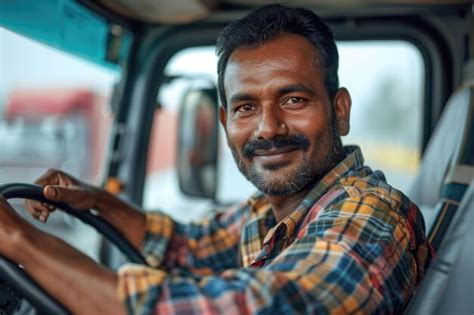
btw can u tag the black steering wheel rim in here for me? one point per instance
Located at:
(21, 281)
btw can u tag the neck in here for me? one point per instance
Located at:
(282, 206)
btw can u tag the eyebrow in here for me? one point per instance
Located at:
(295, 88)
(239, 97)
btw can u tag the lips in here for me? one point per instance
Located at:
(274, 151)
(275, 158)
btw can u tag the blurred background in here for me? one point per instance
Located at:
(55, 113)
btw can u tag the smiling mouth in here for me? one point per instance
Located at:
(274, 152)
(275, 159)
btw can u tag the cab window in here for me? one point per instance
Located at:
(54, 113)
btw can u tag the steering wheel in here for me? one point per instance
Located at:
(18, 279)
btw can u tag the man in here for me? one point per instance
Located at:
(325, 234)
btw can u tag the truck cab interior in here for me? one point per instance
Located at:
(147, 116)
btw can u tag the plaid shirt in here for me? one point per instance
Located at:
(353, 245)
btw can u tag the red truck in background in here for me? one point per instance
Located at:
(68, 129)
(52, 128)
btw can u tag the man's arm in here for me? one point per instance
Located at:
(191, 246)
(75, 280)
(85, 287)
(62, 187)
(205, 247)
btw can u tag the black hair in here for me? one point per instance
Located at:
(267, 23)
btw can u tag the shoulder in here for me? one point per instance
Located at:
(374, 187)
(370, 202)
(242, 211)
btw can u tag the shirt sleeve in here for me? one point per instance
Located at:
(358, 256)
(204, 247)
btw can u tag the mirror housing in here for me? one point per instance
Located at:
(198, 142)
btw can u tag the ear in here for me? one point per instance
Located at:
(342, 110)
(223, 117)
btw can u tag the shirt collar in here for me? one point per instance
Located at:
(353, 161)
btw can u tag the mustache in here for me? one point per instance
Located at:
(297, 141)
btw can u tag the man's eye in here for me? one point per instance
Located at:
(244, 108)
(294, 100)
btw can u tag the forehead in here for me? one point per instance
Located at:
(289, 57)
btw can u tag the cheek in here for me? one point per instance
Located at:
(236, 135)
(311, 124)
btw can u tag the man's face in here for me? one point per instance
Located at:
(280, 122)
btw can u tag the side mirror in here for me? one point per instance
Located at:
(197, 143)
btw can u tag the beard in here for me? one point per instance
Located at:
(327, 153)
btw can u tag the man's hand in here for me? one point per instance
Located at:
(62, 187)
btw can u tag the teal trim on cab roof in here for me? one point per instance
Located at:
(65, 25)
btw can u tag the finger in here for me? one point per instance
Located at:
(48, 206)
(36, 215)
(74, 196)
(35, 206)
(40, 216)
(53, 193)
(39, 210)
(43, 216)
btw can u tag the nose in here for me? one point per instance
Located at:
(271, 124)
